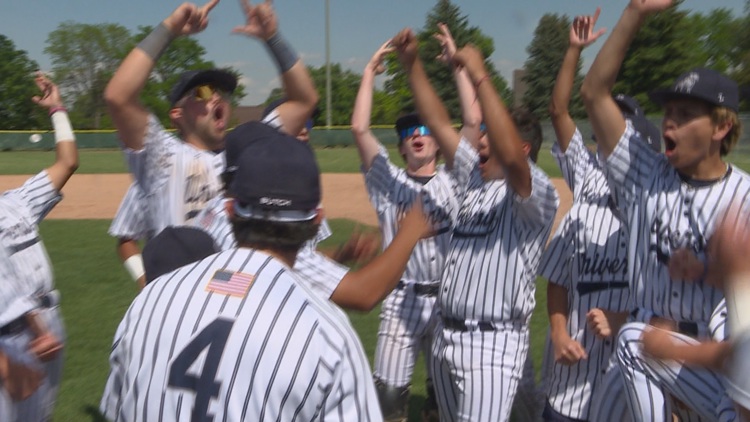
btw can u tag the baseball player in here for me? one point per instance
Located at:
(586, 260)
(671, 203)
(130, 226)
(407, 317)
(31, 331)
(274, 349)
(507, 206)
(179, 175)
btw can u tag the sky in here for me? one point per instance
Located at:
(357, 28)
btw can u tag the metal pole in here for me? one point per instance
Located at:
(328, 66)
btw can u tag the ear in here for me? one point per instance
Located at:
(321, 215)
(175, 114)
(721, 130)
(526, 148)
(229, 207)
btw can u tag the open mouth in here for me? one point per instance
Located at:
(669, 145)
(483, 159)
(219, 114)
(417, 145)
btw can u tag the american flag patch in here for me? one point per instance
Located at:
(229, 283)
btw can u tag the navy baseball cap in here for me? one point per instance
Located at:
(175, 247)
(702, 84)
(277, 102)
(632, 111)
(216, 77)
(405, 126)
(274, 176)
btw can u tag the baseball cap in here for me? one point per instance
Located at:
(190, 79)
(703, 84)
(406, 124)
(175, 247)
(274, 176)
(632, 111)
(279, 101)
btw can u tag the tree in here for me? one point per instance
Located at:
(719, 39)
(439, 73)
(17, 111)
(84, 57)
(546, 52)
(742, 72)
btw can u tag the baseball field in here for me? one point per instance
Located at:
(96, 290)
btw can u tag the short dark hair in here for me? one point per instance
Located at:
(263, 234)
(529, 129)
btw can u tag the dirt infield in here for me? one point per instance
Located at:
(97, 196)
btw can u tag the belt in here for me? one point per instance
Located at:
(459, 325)
(688, 328)
(421, 289)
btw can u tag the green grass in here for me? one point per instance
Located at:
(96, 293)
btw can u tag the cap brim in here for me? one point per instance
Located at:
(216, 77)
(283, 216)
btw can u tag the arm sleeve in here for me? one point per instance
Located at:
(38, 195)
(574, 162)
(321, 273)
(539, 208)
(130, 221)
(558, 257)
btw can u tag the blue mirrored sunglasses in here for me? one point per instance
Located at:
(309, 124)
(409, 131)
(483, 127)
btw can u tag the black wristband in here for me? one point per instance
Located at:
(284, 54)
(156, 42)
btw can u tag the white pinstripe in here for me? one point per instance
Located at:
(130, 221)
(288, 355)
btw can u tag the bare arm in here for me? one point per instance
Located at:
(66, 151)
(604, 115)
(505, 143)
(363, 289)
(581, 35)
(124, 89)
(367, 143)
(261, 23)
(659, 344)
(431, 110)
(470, 110)
(567, 351)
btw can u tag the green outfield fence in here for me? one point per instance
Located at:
(334, 137)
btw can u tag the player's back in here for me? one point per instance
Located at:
(235, 337)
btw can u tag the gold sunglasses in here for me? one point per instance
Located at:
(206, 92)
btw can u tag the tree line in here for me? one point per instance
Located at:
(84, 57)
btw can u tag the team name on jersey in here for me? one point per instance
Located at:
(665, 239)
(601, 267)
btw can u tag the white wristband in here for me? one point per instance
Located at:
(737, 294)
(134, 266)
(61, 124)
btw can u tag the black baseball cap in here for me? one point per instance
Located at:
(275, 177)
(702, 84)
(175, 247)
(405, 122)
(216, 77)
(632, 111)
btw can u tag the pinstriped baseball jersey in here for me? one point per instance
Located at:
(322, 274)
(717, 326)
(497, 243)
(176, 178)
(236, 337)
(665, 213)
(587, 256)
(130, 221)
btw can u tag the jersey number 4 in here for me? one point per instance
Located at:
(214, 337)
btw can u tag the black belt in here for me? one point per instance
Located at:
(14, 327)
(459, 325)
(689, 328)
(421, 289)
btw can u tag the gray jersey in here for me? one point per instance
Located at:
(177, 178)
(587, 256)
(322, 273)
(498, 240)
(667, 212)
(130, 221)
(236, 337)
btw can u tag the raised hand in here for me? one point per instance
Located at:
(375, 65)
(447, 44)
(582, 30)
(189, 19)
(260, 20)
(650, 6)
(406, 45)
(50, 96)
(471, 58)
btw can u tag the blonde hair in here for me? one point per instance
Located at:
(724, 115)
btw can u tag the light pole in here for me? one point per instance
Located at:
(328, 66)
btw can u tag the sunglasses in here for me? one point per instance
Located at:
(206, 92)
(409, 131)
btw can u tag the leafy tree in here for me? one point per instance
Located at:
(440, 74)
(546, 52)
(718, 34)
(17, 111)
(84, 57)
(663, 49)
(742, 71)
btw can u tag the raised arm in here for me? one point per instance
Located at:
(431, 110)
(122, 94)
(505, 142)
(605, 117)
(581, 36)
(471, 113)
(367, 144)
(302, 97)
(66, 162)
